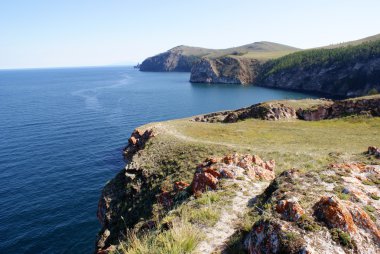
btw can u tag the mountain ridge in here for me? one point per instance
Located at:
(183, 57)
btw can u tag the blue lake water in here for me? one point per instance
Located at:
(61, 136)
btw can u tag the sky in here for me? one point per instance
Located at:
(64, 33)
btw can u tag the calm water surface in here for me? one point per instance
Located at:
(61, 136)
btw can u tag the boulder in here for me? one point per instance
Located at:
(271, 237)
(373, 150)
(137, 141)
(180, 186)
(202, 181)
(335, 214)
(290, 209)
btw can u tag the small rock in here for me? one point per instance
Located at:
(290, 209)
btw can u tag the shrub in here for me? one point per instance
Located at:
(373, 91)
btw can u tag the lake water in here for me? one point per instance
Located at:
(61, 136)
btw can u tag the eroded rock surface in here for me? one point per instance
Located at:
(137, 141)
(209, 172)
(328, 109)
(228, 70)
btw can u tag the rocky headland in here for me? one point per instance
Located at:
(344, 70)
(194, 187)
(180, 59)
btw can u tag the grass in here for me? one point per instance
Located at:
(204, 216)
(342, 237)
(294, 143)
(181, 238)
(208, 198)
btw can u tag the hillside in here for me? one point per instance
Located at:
(355, 42)
(343, 71)
(182, 58)
(199, 186)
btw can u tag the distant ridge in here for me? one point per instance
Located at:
(355, 42)
(182, 58)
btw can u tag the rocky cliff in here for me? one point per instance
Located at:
(228, 70)
(172, 60)
(337, 78)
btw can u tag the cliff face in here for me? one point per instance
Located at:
(228, 70)
(169, 61)
(340, 79)
(309, 110)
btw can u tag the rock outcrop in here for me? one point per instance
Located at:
(301, 214)
(325, 109)
(209, 172)
(227, 70)
(354, 79)
(137, 141)
(180, 59)
(360, 106)
(373, 150)
(272, 237)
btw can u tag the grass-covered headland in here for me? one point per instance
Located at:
(314, 159)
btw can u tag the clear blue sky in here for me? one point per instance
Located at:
(50, 33)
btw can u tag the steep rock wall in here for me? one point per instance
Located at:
(227, 70)
(340, 79)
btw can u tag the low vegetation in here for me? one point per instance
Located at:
(308, 59)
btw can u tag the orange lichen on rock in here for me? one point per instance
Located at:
(350, 166)
(290, 209)
(212, 169)
(202, 181)
(362, 220)
(335, 214)
(180, 186)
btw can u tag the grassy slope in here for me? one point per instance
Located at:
(355, 42)
(307, 59)
(181, 144)
(258, 50)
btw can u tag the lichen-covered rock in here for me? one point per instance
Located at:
(362, 220)
(209, 172)
(180, 186)
(202, 181)
(271, 237)
(290, 209)
(335, 214)
(137, 141)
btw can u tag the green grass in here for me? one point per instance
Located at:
(204, 216)
(181, 238)
(342, 237)
(296, 143)
(208, 198)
